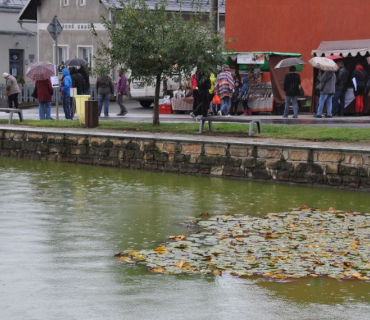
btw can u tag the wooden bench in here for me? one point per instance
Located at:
(250, 122)
(11, 111)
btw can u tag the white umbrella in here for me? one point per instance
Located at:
(288, 62)
(324, 64)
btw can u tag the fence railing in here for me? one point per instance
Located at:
(27, 89)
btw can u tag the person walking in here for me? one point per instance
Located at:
(327, 89)
(292, 83)
(204, 84)
(86, 84)
(66, 91)
(12, 88)
(77, 80)
(224, 88)
(361, 77)
(340, 89)
(194, 86)
(121, 92)
(244, 96)
(104, 87)
(44, 90)
(235, 98)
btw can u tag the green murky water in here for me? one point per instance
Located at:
(61, 224)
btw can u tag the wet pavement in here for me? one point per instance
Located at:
(136, 113)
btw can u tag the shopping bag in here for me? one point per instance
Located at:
(216, 99)
(5, 92)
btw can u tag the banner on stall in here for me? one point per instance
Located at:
(251, 58)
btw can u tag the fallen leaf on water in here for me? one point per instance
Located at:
(179, 264)
(157, 270)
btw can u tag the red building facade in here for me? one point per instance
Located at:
(295, 25)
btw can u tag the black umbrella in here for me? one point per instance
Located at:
(75, 62)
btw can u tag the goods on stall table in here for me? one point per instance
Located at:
(185, 104)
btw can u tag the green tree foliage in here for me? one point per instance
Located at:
(154, 43)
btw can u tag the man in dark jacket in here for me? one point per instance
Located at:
(292, 83)
(86, 86)
(340, 89)
(77, 80)
(204, 84)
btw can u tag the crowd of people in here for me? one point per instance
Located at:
(331, 88)
(222, 93)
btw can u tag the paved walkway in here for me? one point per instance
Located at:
(140, 114)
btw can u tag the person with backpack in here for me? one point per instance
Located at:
(292, 84)
(361, 77)
(327, 89)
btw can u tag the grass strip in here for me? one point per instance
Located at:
(309, 133)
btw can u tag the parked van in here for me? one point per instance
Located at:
(145, 93)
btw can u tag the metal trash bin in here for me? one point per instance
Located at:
(91, 114)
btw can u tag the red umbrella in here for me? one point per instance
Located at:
(334, 57)
(40, 70)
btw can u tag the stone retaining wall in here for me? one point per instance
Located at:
(306, 165)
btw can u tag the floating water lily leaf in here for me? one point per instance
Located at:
(304, 242)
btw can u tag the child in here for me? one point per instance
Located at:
(235, 98)
(216, 104)
(244, 95)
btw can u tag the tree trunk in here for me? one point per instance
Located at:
(213, 15)
(156, 100)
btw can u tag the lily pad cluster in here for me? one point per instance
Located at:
(304, 242)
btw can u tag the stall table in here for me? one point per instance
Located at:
(184, 104)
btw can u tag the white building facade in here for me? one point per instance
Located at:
(76, 16)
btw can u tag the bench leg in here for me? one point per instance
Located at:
(10, 117)
(210, 125)
(259, 127)
(201, 126)
(251, 128)
(20, 114)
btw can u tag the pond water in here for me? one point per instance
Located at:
(61, 224)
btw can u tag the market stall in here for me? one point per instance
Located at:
(265, 82)
(352, 53)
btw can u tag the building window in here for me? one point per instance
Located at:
(81, 3)
(64, 3)
(85, 52)
(63, 54)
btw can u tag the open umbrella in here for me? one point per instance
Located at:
(334, 57)
(324, 64)
(40, 70)
(75, 62)
(288, 62)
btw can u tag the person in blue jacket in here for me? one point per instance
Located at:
(66, 91)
